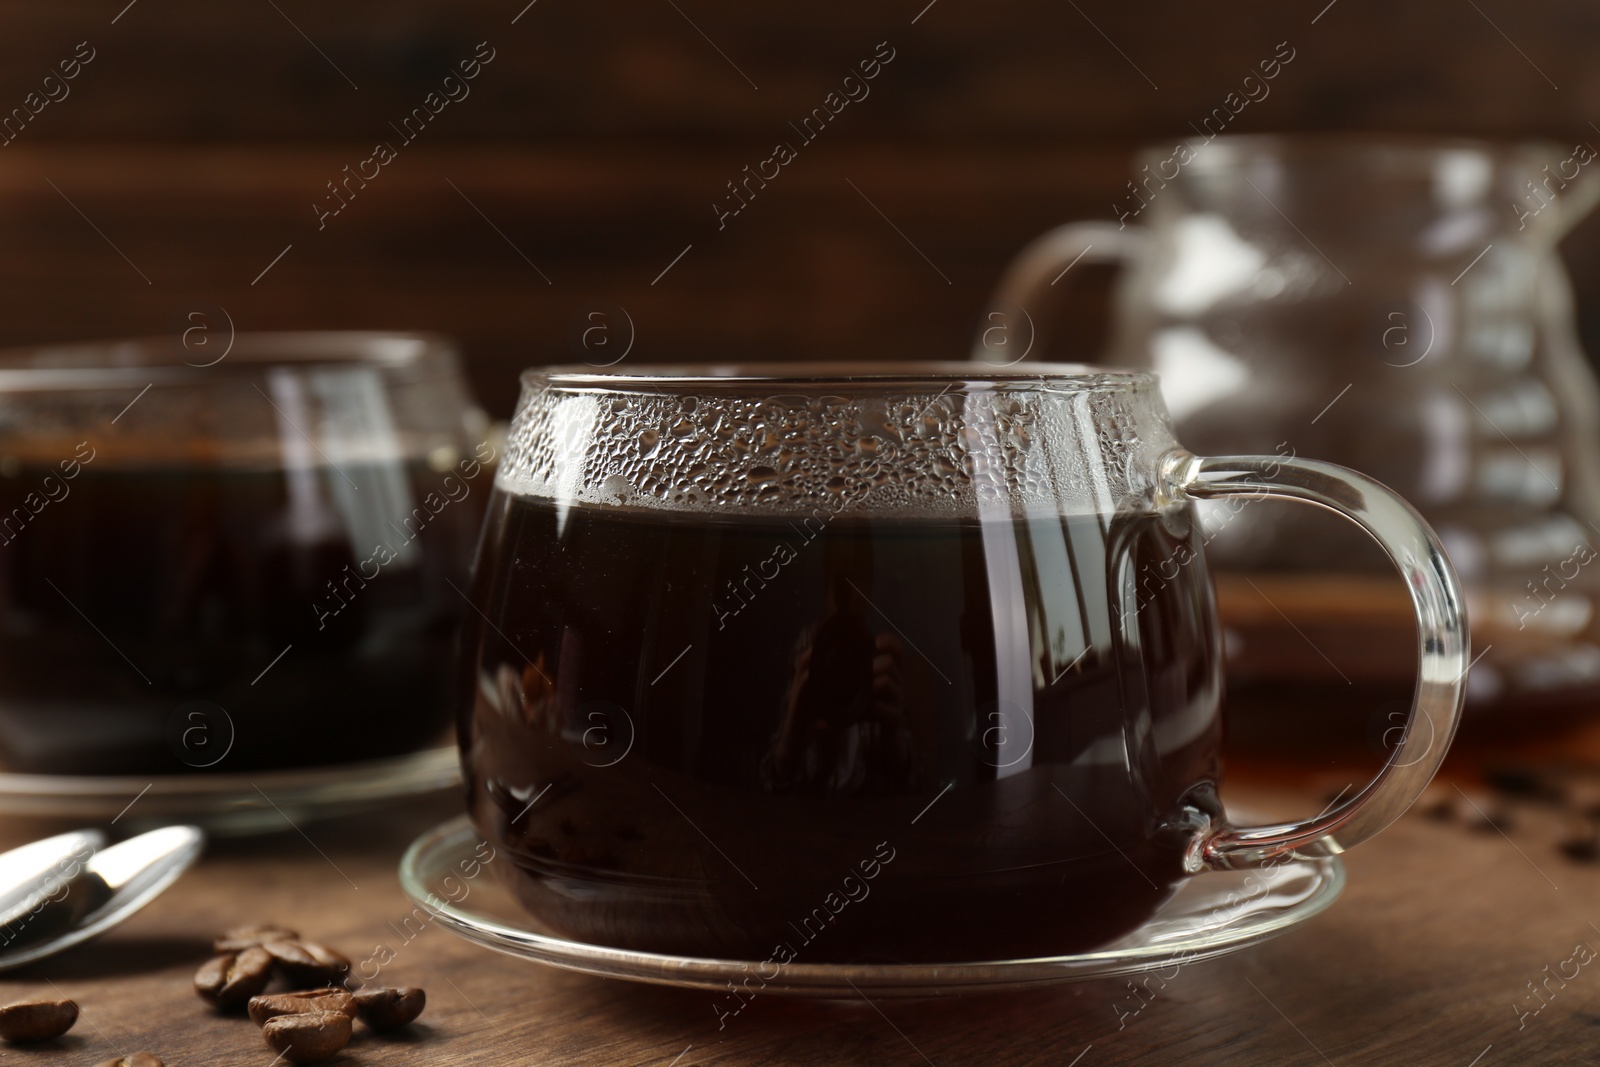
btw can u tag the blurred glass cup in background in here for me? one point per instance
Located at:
(1395, 305)
(238, 556)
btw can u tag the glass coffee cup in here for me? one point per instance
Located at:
(878, 662)
(234, 554)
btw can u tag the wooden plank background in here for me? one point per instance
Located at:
(189, 151)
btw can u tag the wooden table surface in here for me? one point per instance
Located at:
(1426, 959)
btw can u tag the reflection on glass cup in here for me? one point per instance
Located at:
(234, 560)
(907, 662)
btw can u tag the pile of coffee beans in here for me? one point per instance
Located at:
(1514, 792)
(250, 956)
(309, 1014)
(307, 1018)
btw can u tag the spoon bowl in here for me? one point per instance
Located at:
(57, 913)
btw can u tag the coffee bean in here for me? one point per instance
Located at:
(308, 1037)
(1580, 840)
(1437, 805)
(307, 963)
(138, 1059)
(389, 1009)
(1583, 848)
(242, 937)
(37, 1020)
(230, 980)
(272, 1005)
(1528, 782)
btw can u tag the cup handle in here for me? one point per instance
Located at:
(1039, 266)
(1442, 644)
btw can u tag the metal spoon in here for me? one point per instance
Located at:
(76, 899)
(26, 870)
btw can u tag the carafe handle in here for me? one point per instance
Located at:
(1039, 266)
(1442, 645)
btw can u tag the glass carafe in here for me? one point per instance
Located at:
(1395, 305)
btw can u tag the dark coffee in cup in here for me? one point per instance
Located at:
(708, 699)
(144, 609)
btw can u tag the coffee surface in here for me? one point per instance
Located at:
(832, 737)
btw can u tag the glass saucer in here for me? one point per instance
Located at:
(233, 803)
(1210, 915)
